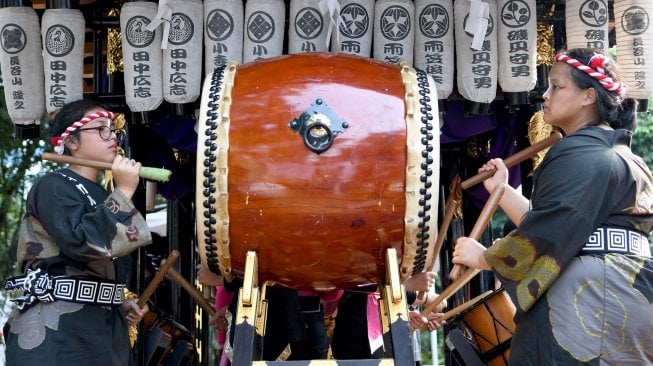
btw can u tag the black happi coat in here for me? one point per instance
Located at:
(73, 227)
(581, 309)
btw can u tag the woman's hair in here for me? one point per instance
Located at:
(70, 113)
(617, 111)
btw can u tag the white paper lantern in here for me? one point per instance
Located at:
(21, 62)
(586, 24)
(308, 28)
(634, 35)
(434, 43)
(264, 29)
(182, 76)
(223, 33)
(63, 56)
(394, 32)
(141, 50)
(517, 41)
(476, 52)
(354, 35)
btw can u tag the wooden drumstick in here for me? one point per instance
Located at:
(482, 221)
(477, 230)
(192, 291)
(158, 174)
(514, 159)
(510, 161)
(158, 277)
(462, 307)
(442, 233)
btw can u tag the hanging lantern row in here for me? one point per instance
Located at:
(495, 43)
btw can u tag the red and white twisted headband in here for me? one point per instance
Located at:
(58, 141)
(595, 70)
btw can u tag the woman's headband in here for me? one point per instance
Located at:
(596, 69)
(58, 141)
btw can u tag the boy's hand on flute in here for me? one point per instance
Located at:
(125, 175)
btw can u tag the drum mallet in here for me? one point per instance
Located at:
(514, 159)
(462, 307)
(158, 277)
(455, 194)
(483, 219)
(157, 174)
(192, 291)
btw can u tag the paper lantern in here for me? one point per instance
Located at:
(63, 56)
(586, 24)
(21, 61)
(434, 42)
(264, 29)
(141, 50)
(308, 28)
(634, 34)
(394, 32)
(517, 41)
(355, 30)
(476, 53)
(223, 33)
(182, 77)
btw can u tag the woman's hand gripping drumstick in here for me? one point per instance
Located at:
(477, 230)
(475, 260)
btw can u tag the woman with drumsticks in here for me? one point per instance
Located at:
(578, 267)
(72, 310)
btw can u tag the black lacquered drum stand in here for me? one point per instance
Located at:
(252, 312)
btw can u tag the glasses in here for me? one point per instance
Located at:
(105, 131)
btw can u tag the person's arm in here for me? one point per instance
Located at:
(513, 203)
(82, 226)
(208, 278)
(420, 281)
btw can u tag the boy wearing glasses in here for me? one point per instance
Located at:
(72, 310)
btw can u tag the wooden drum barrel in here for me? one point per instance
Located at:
(318, 162)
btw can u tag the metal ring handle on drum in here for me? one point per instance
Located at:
(319, 144)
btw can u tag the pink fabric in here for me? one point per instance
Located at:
(222, 300)
(224, 360)
(222, 297)
(374, 329)
(330, 301)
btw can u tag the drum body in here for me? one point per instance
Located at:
(490, 324)
(318, 163)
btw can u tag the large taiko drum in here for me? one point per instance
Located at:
(319, 163)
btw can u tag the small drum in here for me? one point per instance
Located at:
(318, 162)
(490, 325)
(163, 336)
